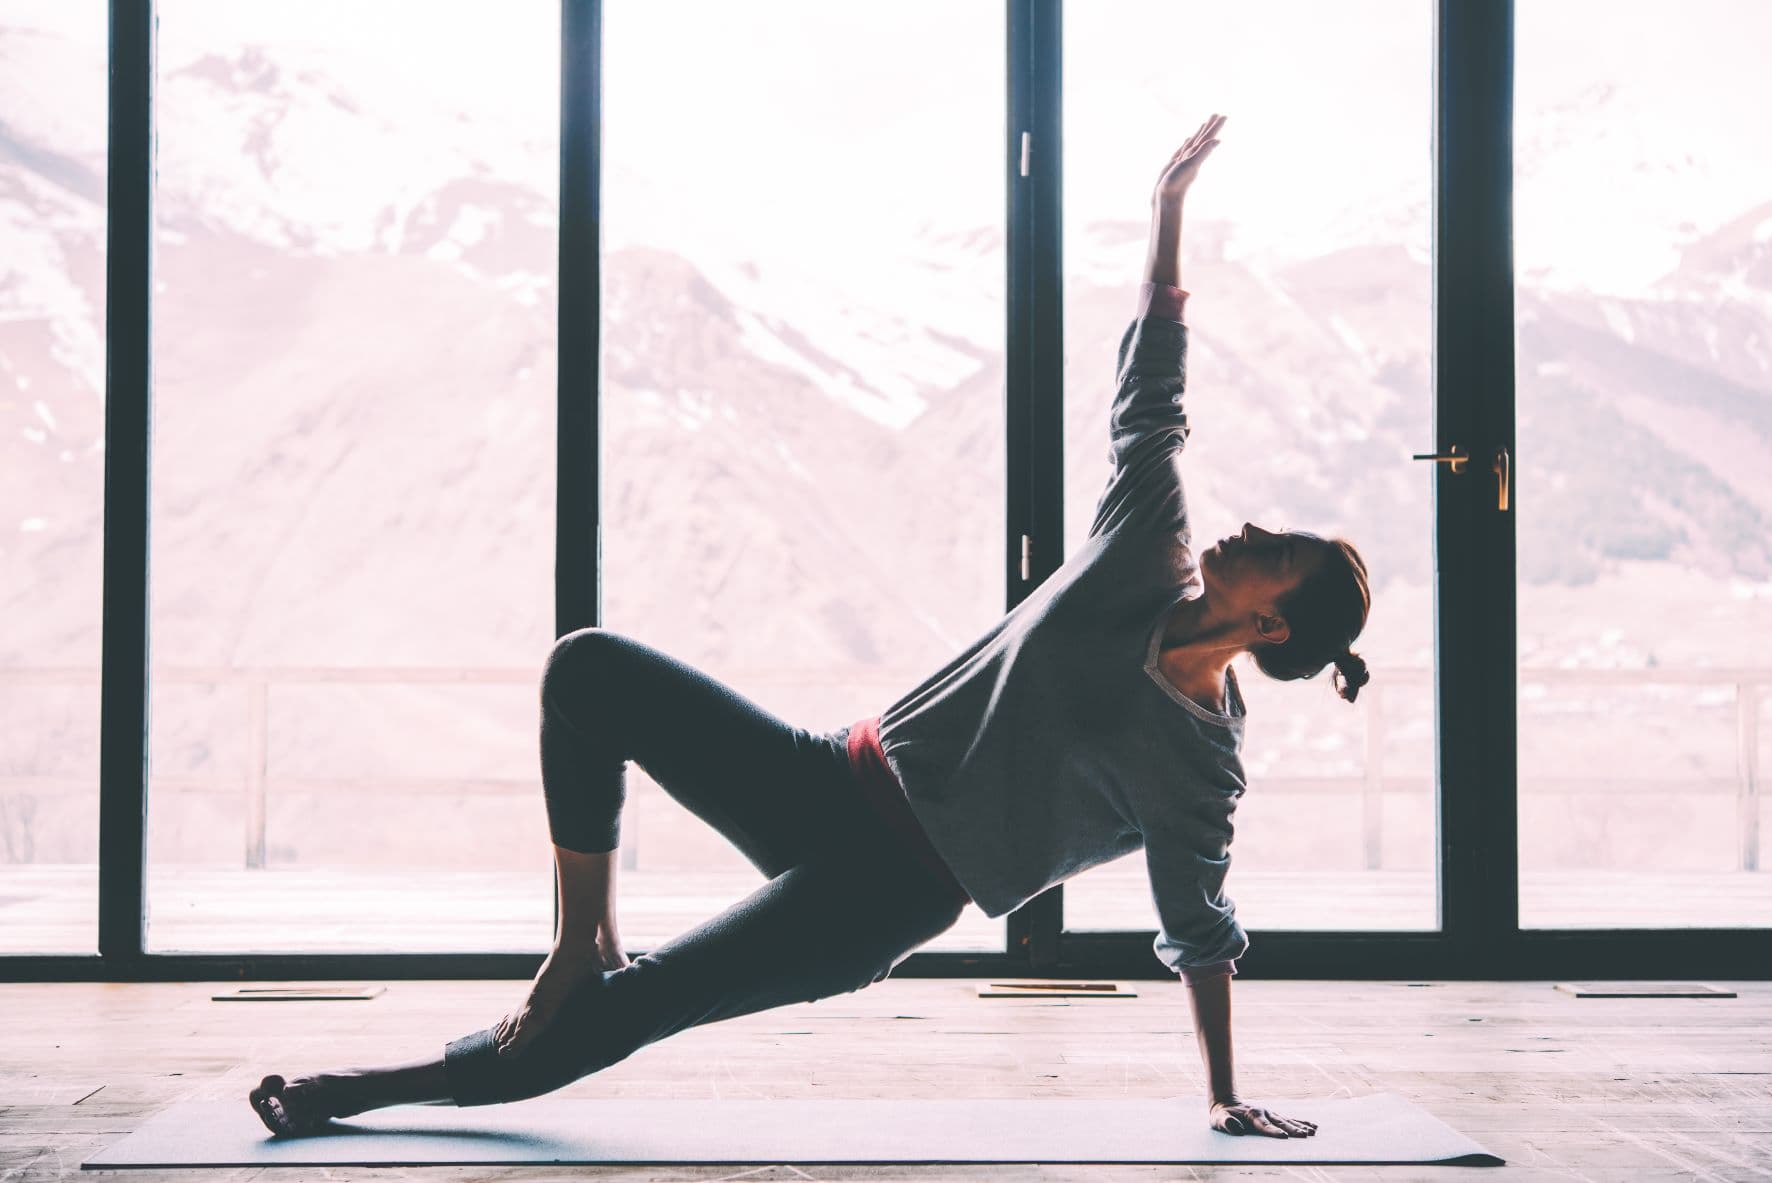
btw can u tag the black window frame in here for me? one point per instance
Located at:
(1476, 676)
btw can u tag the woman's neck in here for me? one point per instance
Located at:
(1198, 646)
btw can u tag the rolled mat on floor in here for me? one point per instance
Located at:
(1379, 1128)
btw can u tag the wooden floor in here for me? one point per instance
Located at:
(1563, 1088)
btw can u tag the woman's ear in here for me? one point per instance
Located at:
(1273, 630)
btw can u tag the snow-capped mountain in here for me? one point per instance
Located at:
(355, 381)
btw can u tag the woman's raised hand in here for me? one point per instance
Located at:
(1184, 166)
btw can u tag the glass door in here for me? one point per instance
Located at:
(803, 369)
(353, 489)
(52, 451)
(1310, 384)
(1643, 258)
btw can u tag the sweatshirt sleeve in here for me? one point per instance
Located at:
(1199, 926)
(1147, 426)
(1163, 301)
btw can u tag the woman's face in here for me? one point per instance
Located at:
(1251, 571)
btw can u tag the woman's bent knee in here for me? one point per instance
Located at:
(580, 647)
(578, 665)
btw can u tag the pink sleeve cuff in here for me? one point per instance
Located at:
(1161, 301)
(1199, 973)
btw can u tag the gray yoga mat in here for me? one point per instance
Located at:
(1382, 1127)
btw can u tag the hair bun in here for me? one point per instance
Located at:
(1351, 668)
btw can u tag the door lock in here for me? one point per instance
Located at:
(1455, 456)
(1502, 467)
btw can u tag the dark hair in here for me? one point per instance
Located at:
(1324, 613)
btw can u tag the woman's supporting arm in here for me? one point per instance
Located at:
(1211, 999)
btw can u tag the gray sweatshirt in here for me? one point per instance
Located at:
(1054, 743)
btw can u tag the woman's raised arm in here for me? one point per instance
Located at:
(1163, 261)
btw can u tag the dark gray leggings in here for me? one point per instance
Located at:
(845, 901)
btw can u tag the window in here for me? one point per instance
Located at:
(1644, 256)
(353, 477)
(1309, 384)
(52, 465)
(802, 417)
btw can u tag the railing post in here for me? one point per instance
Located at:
(1373, 797)
(257, 707)
(1747, 761)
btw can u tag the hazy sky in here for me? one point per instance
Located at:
(801, 120)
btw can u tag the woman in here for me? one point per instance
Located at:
(1099, 716)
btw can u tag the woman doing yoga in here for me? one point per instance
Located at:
(1101, 715)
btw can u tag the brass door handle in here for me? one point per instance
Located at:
(1455, 456)
(1503, 470)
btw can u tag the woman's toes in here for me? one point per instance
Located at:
(261, 1102)
(288, 1108)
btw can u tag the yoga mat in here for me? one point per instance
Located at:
(1055, 990)
(1379, 1128)
(299, 994)
(1644, 990)
(986, 992)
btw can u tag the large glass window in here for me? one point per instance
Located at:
(803, 294)
(52, 464)
(802, 444)
(1643, 250)
(352, 550)
(1306, 253)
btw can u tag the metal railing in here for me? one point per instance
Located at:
(255, 684)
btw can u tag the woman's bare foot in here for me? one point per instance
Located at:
(565, 969)
(300, 1106)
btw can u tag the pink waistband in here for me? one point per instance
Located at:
(886, 795)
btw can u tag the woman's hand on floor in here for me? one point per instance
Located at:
(565, 969)
(1250, 1119)
(1184, 166)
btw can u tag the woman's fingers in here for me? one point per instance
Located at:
(1271, 1123)
(512, 1033)
(1181, 168)
(1200, 138)
(1249, 1119)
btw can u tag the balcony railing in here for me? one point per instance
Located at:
(255, 685)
